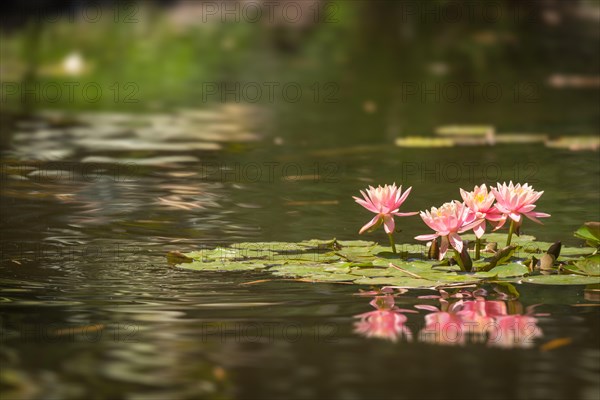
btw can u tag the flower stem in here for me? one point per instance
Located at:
(392, 243)
(477, 248)
(510, 232)
(459, 260)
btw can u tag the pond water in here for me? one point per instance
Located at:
(91, 308)
(93, 199)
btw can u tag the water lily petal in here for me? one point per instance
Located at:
(515, 216)
(428, 237)
(479, 229)
(407, 214)
(374, 222)
(456, 241)
(443, 247)
(535, 215)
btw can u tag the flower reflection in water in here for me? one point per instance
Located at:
(461, 318)
(515, 331)
(385, 322)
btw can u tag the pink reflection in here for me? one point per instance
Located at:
(463, 317)
(386, 322)
(514, 331)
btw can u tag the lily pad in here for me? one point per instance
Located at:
(366, 263)
(561, 280)
(425, 142)
(506, 271)
(590, 232)
(223, 266)
(500, 238)
(588, 266)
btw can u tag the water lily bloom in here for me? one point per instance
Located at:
(516, 200)
(385, 202)
(480, 201)
(448, 221)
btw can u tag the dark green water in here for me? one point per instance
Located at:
(89, 248)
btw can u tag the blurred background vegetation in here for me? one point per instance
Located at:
(385, 66)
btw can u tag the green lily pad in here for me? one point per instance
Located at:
(223, 266)
(366, 263)
(425, 142)
(587, 266)
(332, 277)
(408, 283)
(576, 251)
(590, 232)
(356, 243)
(506, 271)
(561, 280)
(500, 238)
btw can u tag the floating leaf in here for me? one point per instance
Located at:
(507, 270)
(575, 143)
(421, 141)
(570, 252)
(590, 232)
(561, 280)
(468, 130)
(223, 266)
(366, 263)
(500, 238)
(409, 283)
(521, 138)
(587, 266)
(356, 243)
(176, 257)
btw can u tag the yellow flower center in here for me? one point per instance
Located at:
(479, 198)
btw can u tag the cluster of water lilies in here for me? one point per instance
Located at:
(479, 206)
(461, 317)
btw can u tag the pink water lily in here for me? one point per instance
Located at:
(385, 202)
(480, 201)
(448, 221)
(516, 200)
